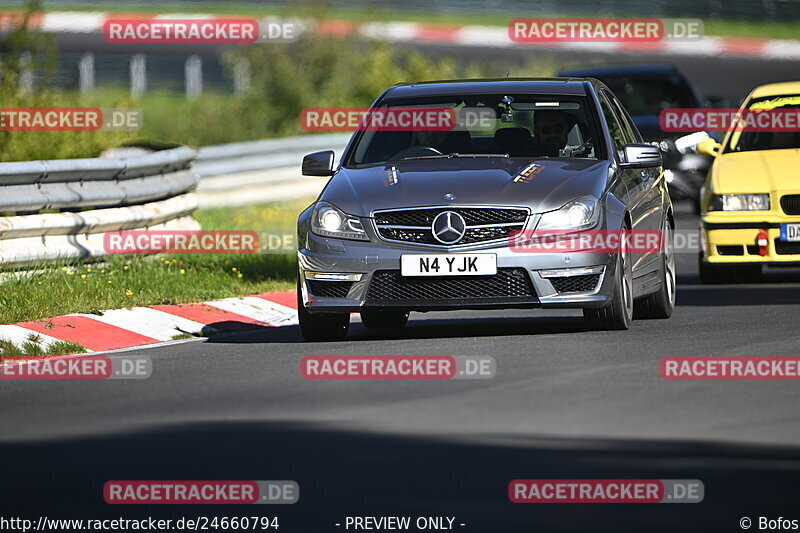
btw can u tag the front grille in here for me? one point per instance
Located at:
(329, 289)
(575, 283)
(487, 234)
(390, 285)
(471, 236)
(473, 216)
(787, 248)
(414, 225)
(791, 204)
(418, 236)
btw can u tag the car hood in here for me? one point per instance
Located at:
(473, 181)
(757, 171)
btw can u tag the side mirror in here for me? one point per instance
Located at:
(319, 164)
(709, 147)
(641, 155)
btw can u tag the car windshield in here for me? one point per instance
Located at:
(751, 139)
(496, 125)
(648, 95)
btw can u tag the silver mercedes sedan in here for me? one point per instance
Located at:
(530, 205)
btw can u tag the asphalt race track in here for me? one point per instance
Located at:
(565, 403)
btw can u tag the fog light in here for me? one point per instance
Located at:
(333, 276)
(579, 271)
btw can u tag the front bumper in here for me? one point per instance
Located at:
(524, 280)
(727, 241)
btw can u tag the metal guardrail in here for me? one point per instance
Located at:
(93, 196)
(61, 209)
(260, 155)
(261, 171)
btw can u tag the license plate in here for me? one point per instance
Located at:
(790, 232)
(448, 265)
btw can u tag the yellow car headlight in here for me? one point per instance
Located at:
(739, 202)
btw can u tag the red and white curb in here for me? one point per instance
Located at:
(143, 326)
(497, 37)
(458, 35)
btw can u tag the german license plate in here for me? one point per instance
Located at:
(790, 232)
(448, 265)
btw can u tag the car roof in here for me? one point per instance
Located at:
(776, 89)
(621, 70)
(550, 86)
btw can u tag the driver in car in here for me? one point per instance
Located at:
(430, 139)
(550, 129)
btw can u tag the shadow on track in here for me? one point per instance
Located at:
(343, 473)
(776, 287)
(423, 327)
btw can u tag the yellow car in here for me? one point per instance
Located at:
(750, 202)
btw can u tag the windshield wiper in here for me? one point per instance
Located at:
(441, 156)
(456, 154)
(450, 156)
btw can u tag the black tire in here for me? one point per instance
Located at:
(384, 318)
(321, 326)
(715, 274)
(662, 303)
(618, 313)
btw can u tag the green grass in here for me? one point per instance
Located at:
(32, 347)
(724, 27)
(127, 281)
(182, 336)
(169, 118)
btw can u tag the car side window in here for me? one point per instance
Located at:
(613, 126)
(629, 128)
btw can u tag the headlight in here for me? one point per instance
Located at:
(739, 202)
(577, 215)
(328, 221)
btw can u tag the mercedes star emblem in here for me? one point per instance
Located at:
(448, 227)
